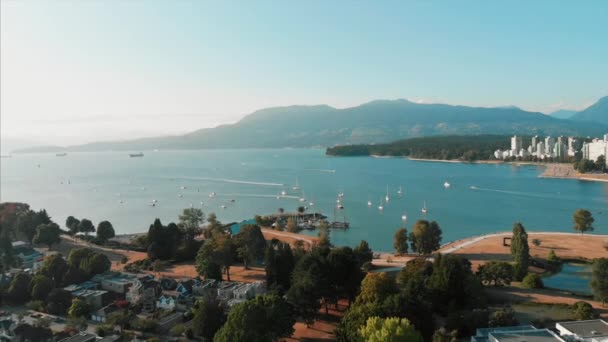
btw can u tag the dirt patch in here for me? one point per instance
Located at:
(323, 328)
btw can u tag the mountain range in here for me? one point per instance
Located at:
(373, 122)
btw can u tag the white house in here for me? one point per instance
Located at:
(595, 330)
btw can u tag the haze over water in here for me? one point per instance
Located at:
(253, 178)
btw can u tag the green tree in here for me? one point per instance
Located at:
(452, 285)
(26, 224)
(250, 244)
(192, 218)
(292, 226)
(279, 265)
(72, 224)
(105, 230)
(219, 250)
(583, 221)
(58, 302)
(599, 279)
(533, 281)
(18, 290)
(208, 317)
(41, 286)
(520, 251)
(48, 234)
(86, 226)
(496, 273)
(77, 255)
(392, 329)
(583, 311)
(54, 267)
(345, 275)
(376, 287)
(425, 237)
(96, 263)
(363, 253)
(552, 258)
(504, 317)
(324, 234)
(79, 309)
(443, 335)
(309, 283)
(400, 241)
(264, 318)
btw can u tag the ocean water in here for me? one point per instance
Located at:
(99, 182)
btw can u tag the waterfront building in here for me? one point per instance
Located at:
(516, 144)
(549, 144)
(540, 150)
(533, 144)
(560, 150)
(596, 148)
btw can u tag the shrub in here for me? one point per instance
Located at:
(606, 245)
(583, 311)
(536, 242)
(552, 258)
(178, 330)
(533, 281)
(36, 305)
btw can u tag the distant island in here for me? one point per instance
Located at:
(452, 147)
(378, 122)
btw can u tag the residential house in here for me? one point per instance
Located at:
(81, 337)
(205, 287)
(166, 323)
(166, 302)
(30, 258)
(101, 315)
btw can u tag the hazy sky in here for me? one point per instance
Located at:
(81, 71)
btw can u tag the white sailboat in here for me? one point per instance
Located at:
(297, 186)
(404, 217)
(400, 191)
(446, 184)
(387, 198)
(369, 202)
(380, 207)
(283, 193)
(424, 209)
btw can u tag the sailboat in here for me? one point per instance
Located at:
(283, 193)
(404, 217)
(312, 202)
(387, 198)
(446, 184)
(424, 209)
(380, 207)
(297, 186)
(369, 202)
(400, 191)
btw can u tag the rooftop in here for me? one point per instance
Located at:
(80, 337)
(586, 329)
(535, 335)
(487, 331)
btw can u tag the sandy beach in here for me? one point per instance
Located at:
(567, 171)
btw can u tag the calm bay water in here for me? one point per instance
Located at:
(572, 277)
(98, 182)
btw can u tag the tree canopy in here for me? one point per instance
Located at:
(400, 241)
(599, 279)
(264, 318)
(583, 221)
(105, 230)
(392, 329)
(425, 237)
(48, 234)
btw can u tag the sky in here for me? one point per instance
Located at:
(81, 71)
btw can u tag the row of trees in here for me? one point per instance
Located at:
(56, 272)
(105, 230)
(425, 238)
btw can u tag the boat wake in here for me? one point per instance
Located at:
(234, 181)
(321, 170)
(261, 196)
(515, 193)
